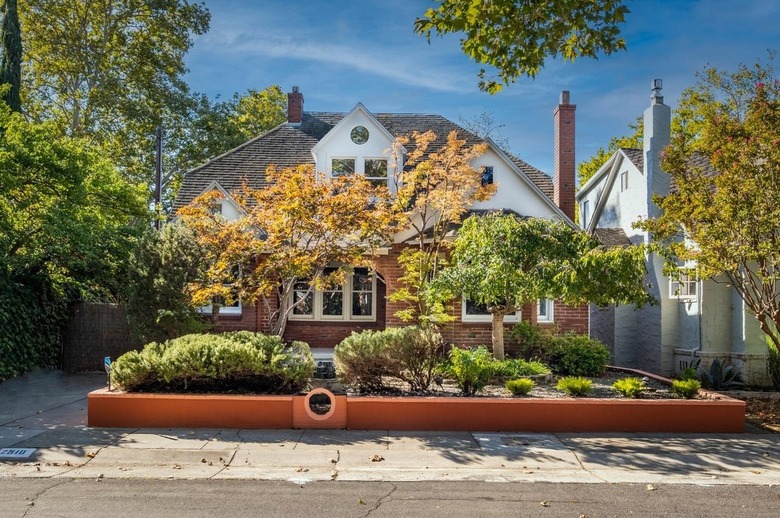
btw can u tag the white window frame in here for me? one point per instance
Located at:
(372, 179)
(334, 158)
(624, 181)
(549, 305)
(585, 213)
(346, 315)
(481, 319)
(680, 287)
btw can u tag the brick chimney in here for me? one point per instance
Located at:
(564, 164)
(295, 106)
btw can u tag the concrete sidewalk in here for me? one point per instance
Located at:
(46, 412)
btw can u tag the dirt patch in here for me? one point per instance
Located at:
(763, 412)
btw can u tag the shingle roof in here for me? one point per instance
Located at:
(637, 157)
(288, 145)
(611, 237)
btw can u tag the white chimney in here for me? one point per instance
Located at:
(657, 135)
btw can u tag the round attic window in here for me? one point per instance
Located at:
(359, 134)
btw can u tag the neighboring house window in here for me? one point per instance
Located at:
(342, 166)
(375, 170)
(473, 312)
(354, 300)
(624, 181)
(233, 308)
(585, 213)
(684, 285)
(487, 175)
(544, 311)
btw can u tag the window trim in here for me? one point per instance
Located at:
(550, 316)
(585, 213)
(624, 181)
(372, 179)
(691, 279)
(354, 165)
(511, 318)
(346, 301)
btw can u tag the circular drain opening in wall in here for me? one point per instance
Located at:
(320, 403)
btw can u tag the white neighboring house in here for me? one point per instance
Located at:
(694, 318)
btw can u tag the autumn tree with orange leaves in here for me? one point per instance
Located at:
(434, 191)
(291, 232)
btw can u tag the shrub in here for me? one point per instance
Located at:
(578, 355)
(516, 368)
(575, 386)
(686, 388)
(362, 359)
(721, 377)
(688, 374)
(231, 362)
(629, 387)
(534, 342)
(413, 353)
(519, 387)
(471, 368)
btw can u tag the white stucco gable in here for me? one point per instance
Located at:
(229, 207)
(357, 142)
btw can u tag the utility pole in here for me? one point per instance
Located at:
(158, 180)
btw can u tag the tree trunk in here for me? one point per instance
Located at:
(498, 335)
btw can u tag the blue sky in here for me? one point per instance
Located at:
(344, 52)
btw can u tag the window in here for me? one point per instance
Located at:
(487, 175)
(684, 284)
(544, 310)
(624, 181)
(585, 213)
(375, 170)
(342, 166)
(215, 208)
(473, 312)
(355, 300)
(232, 308)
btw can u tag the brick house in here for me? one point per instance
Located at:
(359, 141)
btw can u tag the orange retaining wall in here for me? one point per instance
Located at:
(118, 409)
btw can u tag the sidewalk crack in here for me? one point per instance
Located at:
(334, 473)
(226, 464)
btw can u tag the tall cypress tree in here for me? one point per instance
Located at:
(11, 66)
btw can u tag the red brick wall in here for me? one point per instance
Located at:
(328, 334)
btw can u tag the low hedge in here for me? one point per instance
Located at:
(238, 362)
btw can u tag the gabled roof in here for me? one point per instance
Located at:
(611, 237)
(637, 157)
(290, 145)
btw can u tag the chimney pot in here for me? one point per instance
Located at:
(564, 97)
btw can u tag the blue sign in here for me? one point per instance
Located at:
(107, 363)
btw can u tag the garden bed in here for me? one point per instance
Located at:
(439, 410)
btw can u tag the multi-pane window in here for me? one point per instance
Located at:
(475, 312)
(226, 307)
(342, 166)
(684, 284)
(354, 300)
(375, 170)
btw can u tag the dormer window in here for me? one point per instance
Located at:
(342, 166)
(375, 170)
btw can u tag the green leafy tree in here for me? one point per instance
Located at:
(504, 262)
(729, 213)
(111, 70)
(162, 267)
(516, 36)
(65, 234)
(11, 66)
(589, 167)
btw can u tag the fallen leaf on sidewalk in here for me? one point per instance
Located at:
(377, 458)
(301, 469)
(91, 454)
(755, 471)
(176, 466)
(544, 503)
(650, 487)
(362, 502)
